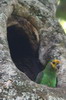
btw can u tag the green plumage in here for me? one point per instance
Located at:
(47, 76)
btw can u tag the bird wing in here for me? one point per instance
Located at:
(39, 77)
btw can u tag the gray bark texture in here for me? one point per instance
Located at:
(40, 16)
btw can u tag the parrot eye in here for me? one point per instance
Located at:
(53, 62)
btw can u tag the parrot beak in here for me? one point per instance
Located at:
(58, 66)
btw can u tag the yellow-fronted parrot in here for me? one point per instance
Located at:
(48, 75)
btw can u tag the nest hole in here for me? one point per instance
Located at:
(23, 52)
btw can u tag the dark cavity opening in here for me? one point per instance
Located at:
(22, 52)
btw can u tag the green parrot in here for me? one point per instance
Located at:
(48, 75)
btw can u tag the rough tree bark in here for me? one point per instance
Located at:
(40, 16)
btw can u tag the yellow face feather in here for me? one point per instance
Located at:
(55, 62)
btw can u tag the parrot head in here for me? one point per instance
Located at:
(55, 64)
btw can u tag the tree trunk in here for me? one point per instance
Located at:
(30, 36)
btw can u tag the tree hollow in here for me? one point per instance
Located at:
(24, 50)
